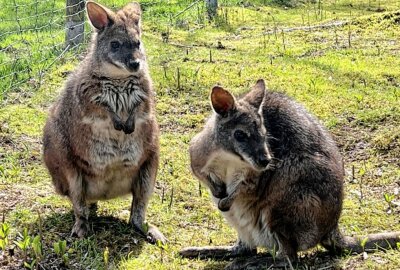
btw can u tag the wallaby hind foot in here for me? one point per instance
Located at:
(221, 252)
(140, 197)
(80, 228)
(260, 261)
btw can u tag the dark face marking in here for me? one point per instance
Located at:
(243, 134)
(120, 47)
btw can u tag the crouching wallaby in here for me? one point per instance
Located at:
(101, 137)
(289, 206)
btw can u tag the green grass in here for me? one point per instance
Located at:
(354, 90)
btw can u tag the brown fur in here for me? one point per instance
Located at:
(88, 157)
(291, 208)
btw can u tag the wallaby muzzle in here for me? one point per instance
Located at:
(133, 65)
(263, 160)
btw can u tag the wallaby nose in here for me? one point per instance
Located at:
(263, 160)
(133, 64)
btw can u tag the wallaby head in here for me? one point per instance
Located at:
(239, 127)
(117, 48)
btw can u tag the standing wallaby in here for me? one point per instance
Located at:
(290, 206)
(101, 137)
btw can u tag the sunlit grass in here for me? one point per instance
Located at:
(351, 85)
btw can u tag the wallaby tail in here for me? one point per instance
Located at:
(337, 243)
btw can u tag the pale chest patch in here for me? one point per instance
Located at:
(114, 157)
(110, 147)
(116, 182)
(248, 220)
(250, 224)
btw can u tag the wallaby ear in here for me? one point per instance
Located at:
(99, 16)
(222, 101)
(133, 11)
(256, 96)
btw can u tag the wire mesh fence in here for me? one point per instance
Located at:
(36, 35)
(32, 39)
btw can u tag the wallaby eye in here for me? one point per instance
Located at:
(240, 136)
(115, 45)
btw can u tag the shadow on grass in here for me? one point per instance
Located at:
(310, 260)
(216, 265)
(110, 238)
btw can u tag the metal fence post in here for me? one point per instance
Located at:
(75, 22)
(211, 6)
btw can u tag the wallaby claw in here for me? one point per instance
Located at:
(80, 229)
(220, 193)
(217, 187)
(225, 204)
(118, 125)
(129, 128)
(152, 235)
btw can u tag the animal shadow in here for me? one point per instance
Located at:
(310, 260)
(107, 234)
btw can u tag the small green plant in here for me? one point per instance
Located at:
(389, 198)
(363, 243)
(163, 248)
(37, 248)
(60, 248)
(24, 242)
(145, 227)
(30, 265)
(4, 232)
(273, 252)
(106, 254)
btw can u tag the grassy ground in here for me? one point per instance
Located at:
(347, 75)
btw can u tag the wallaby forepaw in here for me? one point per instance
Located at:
(129, 126)
(217, 187)
(118, 125)
(129, 129)
(80, 229)
(224, 204)
(220, 193)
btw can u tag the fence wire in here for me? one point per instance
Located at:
(34, 33)
(32, 38)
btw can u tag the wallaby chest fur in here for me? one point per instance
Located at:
(109, 158)
(231, 170)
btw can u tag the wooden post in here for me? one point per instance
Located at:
(211, 6)
(75, 22)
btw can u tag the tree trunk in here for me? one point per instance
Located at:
(75, 22)
(211, 6)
